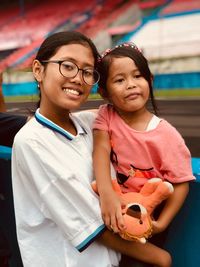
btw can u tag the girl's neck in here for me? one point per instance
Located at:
(61, 118)
(138, 120)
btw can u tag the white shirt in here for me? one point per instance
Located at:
(57, 213)
(153, 123)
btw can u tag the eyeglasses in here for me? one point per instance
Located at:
(69, 69)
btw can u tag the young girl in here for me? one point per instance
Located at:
(140, 144)
(57, 213)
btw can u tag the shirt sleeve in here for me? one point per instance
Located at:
(87, 116)
(9, 126)
(177, 164)
(102, 120)
(59, 194)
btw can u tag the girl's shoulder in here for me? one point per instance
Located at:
(167, 126)
(106, 110)
(85, 117)
(29, 128)
(29, 134)
(169, 130)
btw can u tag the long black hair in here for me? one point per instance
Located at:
(125, 50)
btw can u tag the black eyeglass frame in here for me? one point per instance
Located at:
(78, 69)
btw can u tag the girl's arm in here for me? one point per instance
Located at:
(147, 252)
(111, 206)
(172, 206)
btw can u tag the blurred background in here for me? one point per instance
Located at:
(166, 31)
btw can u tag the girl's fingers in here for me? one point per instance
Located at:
(120, 221)
(113, 224)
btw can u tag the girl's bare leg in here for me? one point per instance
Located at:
(148, 252)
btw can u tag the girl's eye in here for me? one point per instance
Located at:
(119, 80)
(137, 76)
(67, 67)
(88, 73)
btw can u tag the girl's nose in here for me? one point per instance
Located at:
(131, 83)
(78, 78)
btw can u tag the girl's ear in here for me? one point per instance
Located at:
(37, 69)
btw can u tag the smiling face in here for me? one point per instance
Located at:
(127, 89)
(59, 94)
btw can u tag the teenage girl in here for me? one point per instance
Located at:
(140, 144)
(58, 218)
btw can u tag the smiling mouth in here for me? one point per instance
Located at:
(72, 91)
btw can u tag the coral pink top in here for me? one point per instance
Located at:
(138, 156)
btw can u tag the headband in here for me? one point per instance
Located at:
(126, 44)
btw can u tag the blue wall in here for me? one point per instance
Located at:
(189, 80)
(22, 88)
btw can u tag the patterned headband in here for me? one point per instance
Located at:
(126, 44)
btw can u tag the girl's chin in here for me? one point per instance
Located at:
(71, 105)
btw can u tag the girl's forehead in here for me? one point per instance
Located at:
(122, 63)
(76, 52)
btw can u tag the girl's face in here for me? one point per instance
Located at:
(127, 90)
(58, 93)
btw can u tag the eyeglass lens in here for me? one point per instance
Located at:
(70, 70)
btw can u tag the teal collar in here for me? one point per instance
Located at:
(54, 127)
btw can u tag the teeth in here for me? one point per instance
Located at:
(71, 91)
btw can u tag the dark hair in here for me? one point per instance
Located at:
(53, 42)
(140, 61)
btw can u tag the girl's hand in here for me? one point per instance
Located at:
(111, 209)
